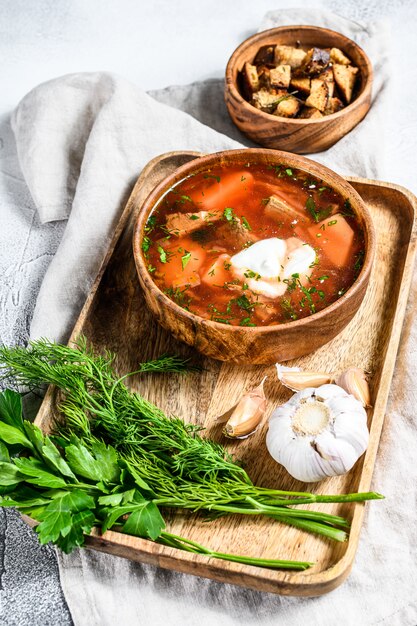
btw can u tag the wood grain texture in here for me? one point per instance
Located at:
(302, 136)
(115, 317)
(260, 344)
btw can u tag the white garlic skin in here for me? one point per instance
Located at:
(332, 451)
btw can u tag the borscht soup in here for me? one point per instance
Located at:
(253, 244)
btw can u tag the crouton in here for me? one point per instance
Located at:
(345, 77)
(289, 55)
(280, 76)
(310, 113)
(316, 61)
(250, 78)
(288, 107)
(302, 84)
(333, 106)
(265, 56)
(276, 208)
(286, 81)
(264, 77)
(328, 78)
(266, 101)
(337, 56)
(319, 94)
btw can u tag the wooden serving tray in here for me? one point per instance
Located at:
(115, 317)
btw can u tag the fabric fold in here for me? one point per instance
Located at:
(102, 147)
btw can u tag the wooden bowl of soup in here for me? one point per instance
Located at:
(254, 255)
(298, 88)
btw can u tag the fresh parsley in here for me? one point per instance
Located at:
(185, 259)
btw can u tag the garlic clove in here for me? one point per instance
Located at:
(297, 380)
(222, 419)
(247, 413)
(354, 381)
(338, 454)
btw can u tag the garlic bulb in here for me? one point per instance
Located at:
(318, 433)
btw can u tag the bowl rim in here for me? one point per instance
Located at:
(230, 83)
(207, 160)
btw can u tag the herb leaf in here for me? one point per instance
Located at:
(246, 223)
(57, 519)
(146, 244)
(11, 408)
(229, 214)
(55, 460)
(82, 462)
(185, 258)
(9, 474)
(217, 178)
(317, 214)
(145, 521)
(162, 254)
(12, 435)
(36, 473)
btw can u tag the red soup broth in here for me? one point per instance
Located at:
(207, 218)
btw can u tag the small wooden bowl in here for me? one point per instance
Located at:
(264, 344)
(302, 136)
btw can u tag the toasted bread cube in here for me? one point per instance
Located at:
(265, 56)
(333, 106)
(316, 61)
(330, 89)
(345, 77)
(301, 84)
(267, 101)
(250, 78)
(337, 56)
(280, 76)
(327, 77)
(264, 77)
(319, 94)
(289, 55)
(336, 238)
(288, 107)
(310, 113)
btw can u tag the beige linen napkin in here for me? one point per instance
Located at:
(82, 140)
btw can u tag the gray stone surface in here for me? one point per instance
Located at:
(29, 584)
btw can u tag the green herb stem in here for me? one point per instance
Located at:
(175, 541)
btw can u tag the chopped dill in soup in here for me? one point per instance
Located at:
(253, 244)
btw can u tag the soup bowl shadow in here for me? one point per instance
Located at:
(261, 344)
(303, 136)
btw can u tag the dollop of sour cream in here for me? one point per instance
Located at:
(267, 263)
